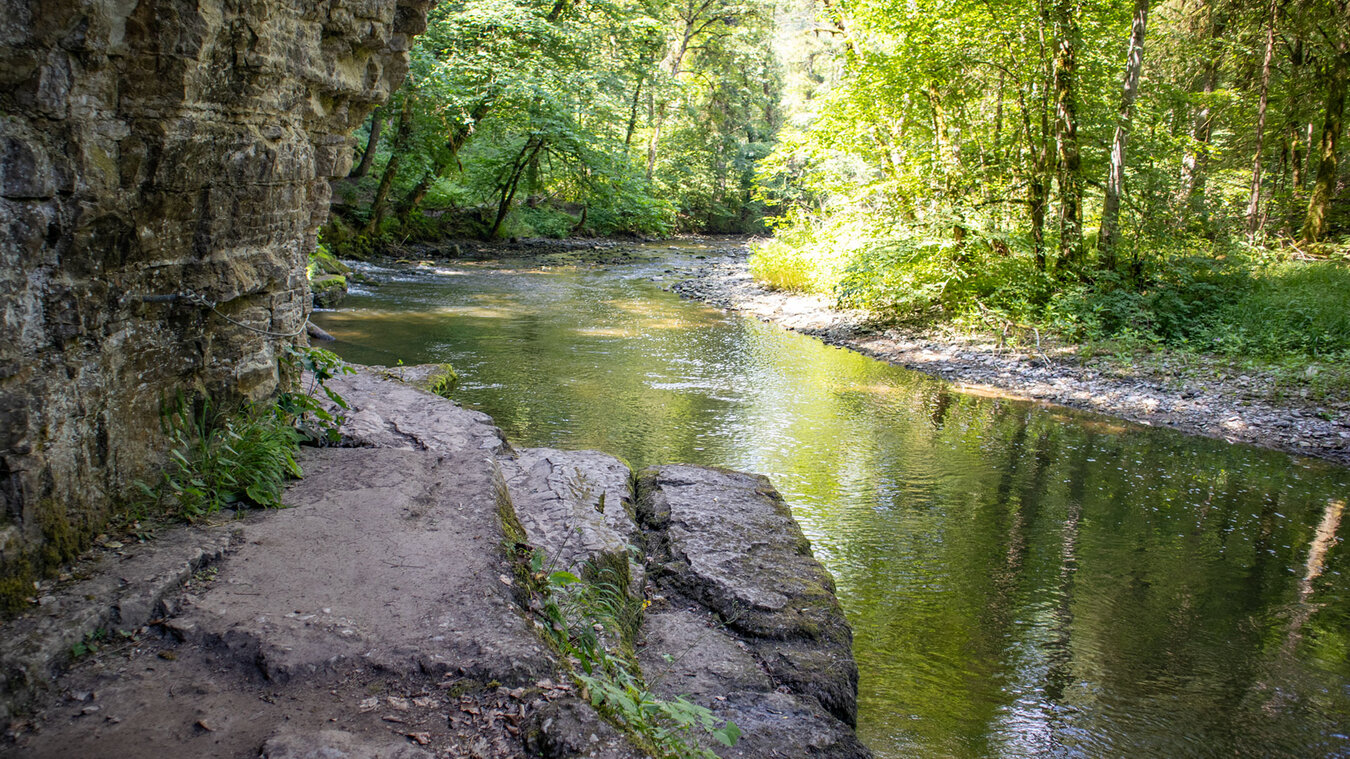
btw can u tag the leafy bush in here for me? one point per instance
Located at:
(538, 221)
(221, 457)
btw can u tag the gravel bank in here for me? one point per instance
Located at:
(1196, 395)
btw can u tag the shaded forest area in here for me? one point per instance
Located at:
(1151, 174)
(523, 118)
(1148, 174)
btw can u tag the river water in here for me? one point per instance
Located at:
(1022, 580)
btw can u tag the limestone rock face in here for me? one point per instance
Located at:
(727, 541)
(150, 148)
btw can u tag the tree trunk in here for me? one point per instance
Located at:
(380, 206)
(377, 120)
(633, 114)
(507, 189)
(1191, 196)
(1038, 178)
(1324, 186)
(1296, 157)
(1069, 175)
(1115, 177)
(1254, 204)
(694, 23)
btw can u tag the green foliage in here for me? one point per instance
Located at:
(303, 405)
(222, 457)
(921, 177)
(593, 621)
(1290, 308)
(547, 119)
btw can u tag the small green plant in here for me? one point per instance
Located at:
(90, 644)
(303, 405)
(221, 457)
(593, 622)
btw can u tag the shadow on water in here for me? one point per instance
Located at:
(1021, 580)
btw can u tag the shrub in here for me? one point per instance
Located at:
(221, 457)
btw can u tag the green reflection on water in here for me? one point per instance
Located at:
(1021, 580)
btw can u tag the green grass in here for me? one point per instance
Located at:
(1295, 308)
(1183, 293)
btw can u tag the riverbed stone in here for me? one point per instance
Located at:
(387, 413)
(728, 541)
(578, 507)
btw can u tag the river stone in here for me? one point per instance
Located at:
(558, 498)
(728, 541)
(568, 729)
(687, 653)
(386, 413)
(388, 557)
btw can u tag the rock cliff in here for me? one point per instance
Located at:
(164, 169)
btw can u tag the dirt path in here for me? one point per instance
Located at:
(386, 614)
(1196, 395)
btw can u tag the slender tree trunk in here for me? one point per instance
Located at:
(633, 114)
(1315, 224)
(507, 189)
(1296, 157)
(1191, 196)
(380, 205)
(1109, 235)
(377, 120)
(942, 135)
(1254, 204)
(693, 24)
(1069, 175)
(413, 200)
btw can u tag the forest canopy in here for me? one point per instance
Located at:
(558, 117)
(1164, 172)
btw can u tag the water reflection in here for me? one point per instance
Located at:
(1021, 580)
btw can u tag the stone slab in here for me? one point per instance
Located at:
(577, 506)
(385, 556)
(387, 413)
(728, 541)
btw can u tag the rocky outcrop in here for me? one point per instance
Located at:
(384, 613)
(164, 169)
(753, 627)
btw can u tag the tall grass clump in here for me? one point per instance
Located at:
(805, 257)
(1291, 308)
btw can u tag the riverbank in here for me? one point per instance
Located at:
(428, 592)
(1196, 394)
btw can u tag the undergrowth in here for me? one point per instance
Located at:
(589, 616)
(221, 456)
(1180, 293)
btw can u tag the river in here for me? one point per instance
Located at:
(1022, 580)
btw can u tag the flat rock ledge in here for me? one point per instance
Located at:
(378, 616)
